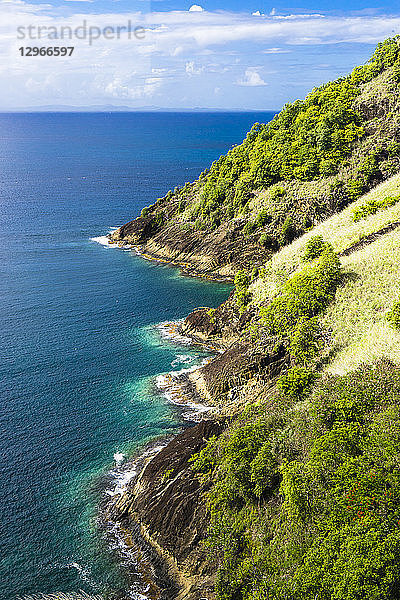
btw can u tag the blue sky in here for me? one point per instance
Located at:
(214, 54)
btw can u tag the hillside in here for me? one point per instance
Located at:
(312, 159)
(291, 488)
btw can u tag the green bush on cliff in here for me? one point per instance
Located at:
(393, 315)
(145, 211)
(305, 498)
(372, 207)
(304, 341)
(306, 294)
(242, 295)
(314, 248)
(296, 382)
(344, 495)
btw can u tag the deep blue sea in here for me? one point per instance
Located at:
(79, 348)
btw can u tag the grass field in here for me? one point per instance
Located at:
(356, 319)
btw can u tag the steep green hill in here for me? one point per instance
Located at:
(312, 159)
(304, 484)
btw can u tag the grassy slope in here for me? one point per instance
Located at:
(304, 497)
(356, 318)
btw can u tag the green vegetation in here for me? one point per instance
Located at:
(394, 315)
(168, 474)
(242, 282)
(304, 484)
(296, 382)
(145, 211)
(372, 206)
(290, 315)
(305, 496)
(314, 248)
(315, 156)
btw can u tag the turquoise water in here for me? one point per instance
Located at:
(79, 352)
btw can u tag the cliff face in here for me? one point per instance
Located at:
(313, 159)
(217, 254)
(164, 509)
(166, 500)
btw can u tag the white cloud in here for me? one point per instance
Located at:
(275, 51)
(174, 41)
(256, 13)
(121, 88)
(251, 78)
(191, 68)
(196, 8)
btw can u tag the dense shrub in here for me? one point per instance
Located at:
(288, 231)
(304, 340)
(352, 513)
(263, 218)
(355, 188)
(268, 241)
(145, 211)
(296, 382)
(305, 498)
(242, 282)
(314, 248)
(303, 297)
(393, 315)
(372, 206)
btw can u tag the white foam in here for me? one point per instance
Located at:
(168, 330)
(104, 240)
(182, 359)
(128, 559)
(119, 457)
(84, 572)
(120, 481)
(171, 388)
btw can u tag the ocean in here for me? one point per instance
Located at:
(80, 348)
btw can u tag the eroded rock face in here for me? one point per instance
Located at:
(166, 505)
(218, 254)
(235, 367)
(219, 327)
(166, 500)
(240, 358)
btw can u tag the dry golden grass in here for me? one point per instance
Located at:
(339, 230)
(357, 317)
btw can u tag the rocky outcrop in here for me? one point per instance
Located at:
(218, 254)
(235, 367)
(164, 507)
(219, 327)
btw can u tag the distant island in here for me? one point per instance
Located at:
(118, 108)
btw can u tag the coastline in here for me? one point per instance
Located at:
(156, 567)
(184, 267)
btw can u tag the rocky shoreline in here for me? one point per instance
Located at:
(162, 509)
(216, 256)
(164, 521)
(158, 503)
